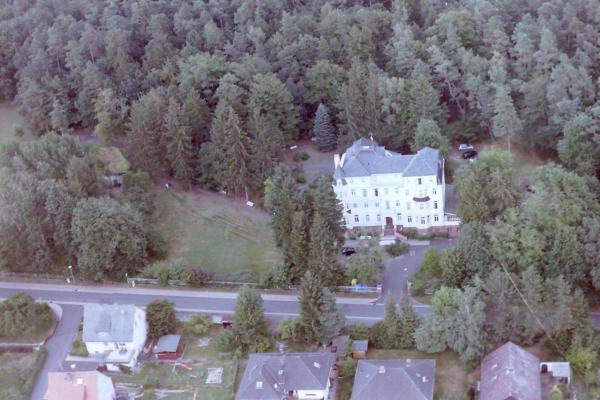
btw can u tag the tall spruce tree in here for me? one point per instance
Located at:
(234, 156)
(506, 122)
(180, 152)
(331, 319)
(59, 119)
(409, 322)
(109, 114)
(249, 324)
(322, 200)
(323, 130)
(281, 201)
(298, 252)
(311, 303)
(323, 260)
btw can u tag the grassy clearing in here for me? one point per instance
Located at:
(18, 372)
(9, 118)
(525, 161)
(216, 233)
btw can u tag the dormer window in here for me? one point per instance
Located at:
(376, 192)
(419, 181)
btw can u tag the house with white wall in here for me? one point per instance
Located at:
(114, 333)
(385, 192)
(277, 376)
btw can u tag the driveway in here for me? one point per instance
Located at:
(58, 346)
(399, 269)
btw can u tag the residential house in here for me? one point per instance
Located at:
(512, 373)
(360, 348)
(91, 385)
(114, 333)
(394, 379)
(169, 347)
(383, 191)
(116, 164)
(277, 376)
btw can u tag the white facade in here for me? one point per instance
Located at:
(312, 394)
(106, 389)
(375, 191)
(120, 351)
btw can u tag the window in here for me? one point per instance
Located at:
(378, 218)
(364, 192)
(421, 206)
(397, 203)
(428, 219)
(436, 218)
(398, 217)
(419, 181)
(435, 205)
(344, 219)
(376, 205)
(396, 190)
(387, 204)
(422, 220)
(355, 205)
(353, 192)
(376, 192)
(409, 219)
(367, 218)
(433, 191)
(408, 205)
(356, 218)
(385, 191)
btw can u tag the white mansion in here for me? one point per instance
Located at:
(384, 191)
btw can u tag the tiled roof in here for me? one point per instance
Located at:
(73, 385)
(394, 379)
(365, 157)
(268, 376)
(108, 322)
(510, 372)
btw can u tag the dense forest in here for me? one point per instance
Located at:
(209, 92)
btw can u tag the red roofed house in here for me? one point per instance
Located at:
(90, 385)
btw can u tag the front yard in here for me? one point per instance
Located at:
(215, 232)
(18, 372)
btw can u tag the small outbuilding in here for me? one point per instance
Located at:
(116, 164)
(360, 348)
(169, 347)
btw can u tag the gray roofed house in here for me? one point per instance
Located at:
(510, 372)
(273, 376)
(394, 379)
(365, 157)
(108, 322)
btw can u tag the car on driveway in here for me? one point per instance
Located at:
(348, 251)
(469, 154)
(465, 147)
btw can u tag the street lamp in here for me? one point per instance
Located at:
(71, 271)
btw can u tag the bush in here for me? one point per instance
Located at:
(301, 156)
(396, 249)
(161, 318)
(262, 344)
(278, 277)
(197, 325)
(151, 382)
(410, 233)
(290, 330)
(347, 369)
(165, 271)
(226, 342)
(21, 316)
(359, 332)
(197, 277)
(431, 262)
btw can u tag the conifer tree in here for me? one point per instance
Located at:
(424, 102)
(331, 319)
(428, 134)
(249, 324)
(323, 260)
(298, 251)
(282, 202)
(196, 116)
(267, 142)
(179, 145)
(109, 116)
(234, 155)
(311, 303)
(409, 322)
(323, 131)
(58, 118)
(506, 122)
(322, 200)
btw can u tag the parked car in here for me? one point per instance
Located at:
(348, 251)
(469, 154)
(465, 147)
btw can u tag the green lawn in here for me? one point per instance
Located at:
(214, 232)
(18, 372)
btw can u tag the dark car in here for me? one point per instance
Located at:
(469, 154)
(348, 251)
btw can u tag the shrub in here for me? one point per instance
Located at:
(198, 277)
(431, 262)
(151, 382)
(262, 344)
(226, 342)
(278, 277)
(300, 178)
(301, 156)
(359, 332)
(197, 325)
(396, 249)
(347, 368)
(410, 233)
(290, 330)
(161, 318)
(21, 316)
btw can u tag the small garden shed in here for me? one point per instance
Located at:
(169, 347)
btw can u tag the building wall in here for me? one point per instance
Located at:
(106, 389)
(374, 198)
(312, 394)
(140, 331)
